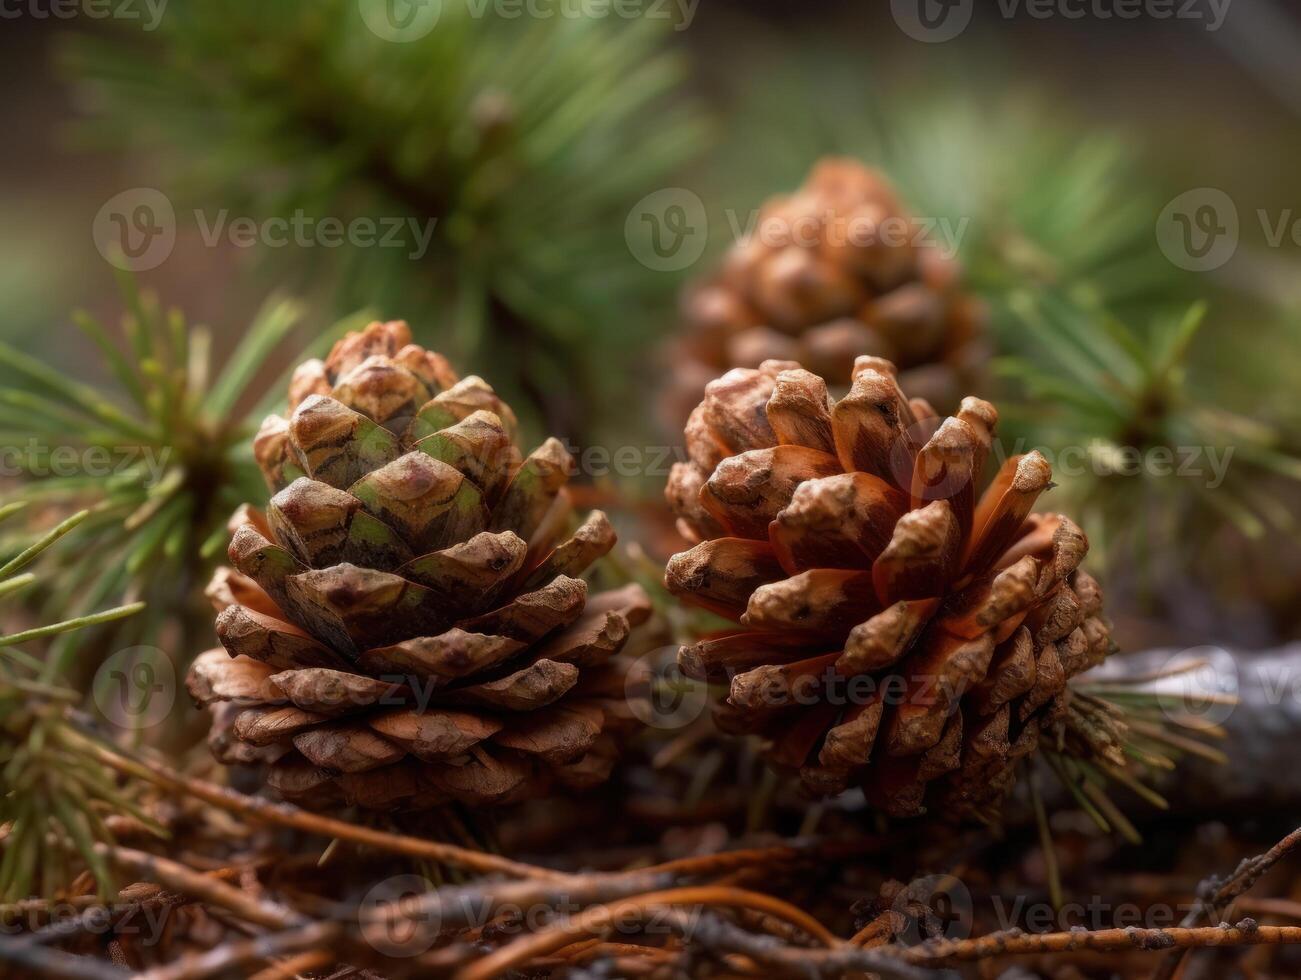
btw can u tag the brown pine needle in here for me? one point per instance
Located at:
(601, 918)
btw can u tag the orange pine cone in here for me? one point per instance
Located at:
(899, 630)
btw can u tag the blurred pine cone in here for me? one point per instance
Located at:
(403, 625)
(899, 631)
(833, 271)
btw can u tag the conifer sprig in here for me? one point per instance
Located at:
(159, 460)
(50, 797)
(1148, 434)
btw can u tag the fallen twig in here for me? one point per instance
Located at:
(1215, 895)
(1015, 942)
(601, 918)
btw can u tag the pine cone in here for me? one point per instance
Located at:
(900, 632)
(404, 625)
(830, 272)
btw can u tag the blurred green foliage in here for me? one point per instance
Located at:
(1031, 197)
(1155, 466)
(526, 141)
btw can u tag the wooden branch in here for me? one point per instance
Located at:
(775, 958)
(21, 959)
(286, 815)
(1014, 942)
(311, 938)
(1222, 894)
(601, 918)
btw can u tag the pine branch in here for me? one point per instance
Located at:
(1119, 397)
(521, 145)
(158, 463)
(46, 789)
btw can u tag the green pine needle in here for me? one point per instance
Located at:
(49, 802)
(159, 462)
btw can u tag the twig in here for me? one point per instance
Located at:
(1016, 942)
(205, 888)
(878, 931)
(1247, 873)
(601, 918)
(716, 864)
(471, 904)
(286, 815)
(781, 959)
(295, 965)
(40, 961)
(314, 936)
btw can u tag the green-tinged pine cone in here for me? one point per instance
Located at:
(832, 271)
(900, 631)
(404, 625)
